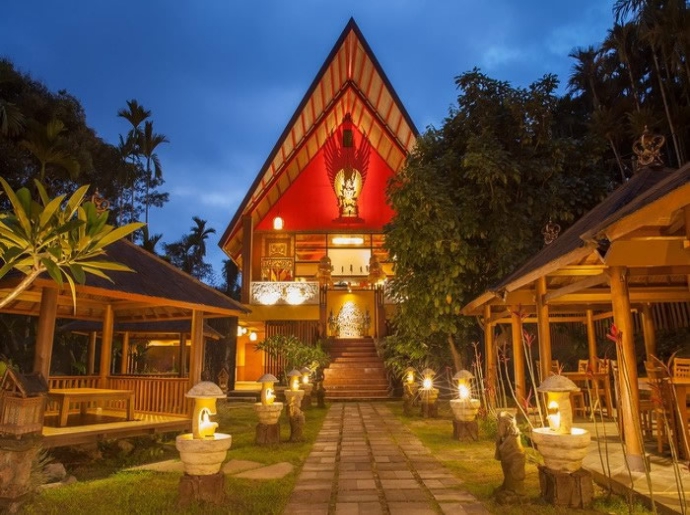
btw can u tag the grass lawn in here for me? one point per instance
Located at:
(474, 464)
(106, 487)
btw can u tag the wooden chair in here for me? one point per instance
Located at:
(582, 365)
(555, 368)
(603, 365)
(681, 367)
(661, 411)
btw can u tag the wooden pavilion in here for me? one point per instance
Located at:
(629, 253)
(155, 292)
(308, 236)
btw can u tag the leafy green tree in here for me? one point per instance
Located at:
(293, 353)
(471, 204)
(65, 238)
(47, 144)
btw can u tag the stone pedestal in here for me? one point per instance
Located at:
(267, 434)
(268, 428)
(306, 400)
(294, 399)
(203, 456)
(208, 488)
(429, 405)
(467, 431)
(320, 396)
(16, 457)
(571, 489)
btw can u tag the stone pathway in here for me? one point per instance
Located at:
(365, 461)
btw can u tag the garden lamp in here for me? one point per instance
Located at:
(293, 379)
(463, 377)
(267, 393)
(428, 378)
(306, 372)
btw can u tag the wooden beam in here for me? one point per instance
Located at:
(647, 253)
(603, 316)
(247, 251)
(578, 270)
(649, 332)
(591, 340)
(45, 331)
(627, 368)
(91, 354)
(196, 358)
(583, 284)
(660, 208)
(106, 347)
(125, 353)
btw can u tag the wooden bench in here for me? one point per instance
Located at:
(63, 396)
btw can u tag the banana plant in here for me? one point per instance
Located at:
(63, 237)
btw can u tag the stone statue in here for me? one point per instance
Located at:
(511, 454)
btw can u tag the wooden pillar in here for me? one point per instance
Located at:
(247, 243)
(518, 355)
(489, 355)
(543, 330)
(592, 340)
(627, 368)
(196, 358)
(91, 354)
(46, 331)
(106, 346)
(125, 353)
(240, 359)
(649, 332)
(323, 311)
(183, 355)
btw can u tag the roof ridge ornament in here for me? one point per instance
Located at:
(648, 149)
(550, 232)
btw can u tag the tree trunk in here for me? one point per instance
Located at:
(667, 109)
(457, 359)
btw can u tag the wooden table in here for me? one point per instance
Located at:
(85, 395)
(599, 380)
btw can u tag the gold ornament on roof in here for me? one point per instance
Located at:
(550, 232)
(648, 149)
(101, 203)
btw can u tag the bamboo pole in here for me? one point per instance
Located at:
(543, 330)
(518, 355)
(627, 368)
(489, 353)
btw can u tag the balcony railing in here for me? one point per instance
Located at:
(290, 293)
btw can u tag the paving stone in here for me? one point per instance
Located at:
(236, 466)
(306, 509)
(412, 508)
(276, 471)
(406, 495)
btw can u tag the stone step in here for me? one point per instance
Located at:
(358, 365)
(356, 382)
(355, 359)
(355, 354)
(358, 395)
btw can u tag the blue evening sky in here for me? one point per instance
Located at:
(222, 77)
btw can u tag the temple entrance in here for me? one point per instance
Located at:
(350, 314)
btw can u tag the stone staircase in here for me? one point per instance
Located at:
(356, 371)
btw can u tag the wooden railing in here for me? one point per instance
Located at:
(163, 395)
(156, 395)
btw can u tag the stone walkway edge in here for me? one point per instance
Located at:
(366, 462)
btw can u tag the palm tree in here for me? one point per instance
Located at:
(135, 114)
(197, 239)
(148, 142)
(623, 40)
(11, 119)
(149, 242)
(586, 75)
(48, 145)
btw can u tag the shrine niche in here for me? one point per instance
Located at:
(277, 263)
(346, 165)
(351, 322)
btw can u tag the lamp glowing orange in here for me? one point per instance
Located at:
(278, 223)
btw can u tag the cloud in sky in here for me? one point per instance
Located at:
(223, 78)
